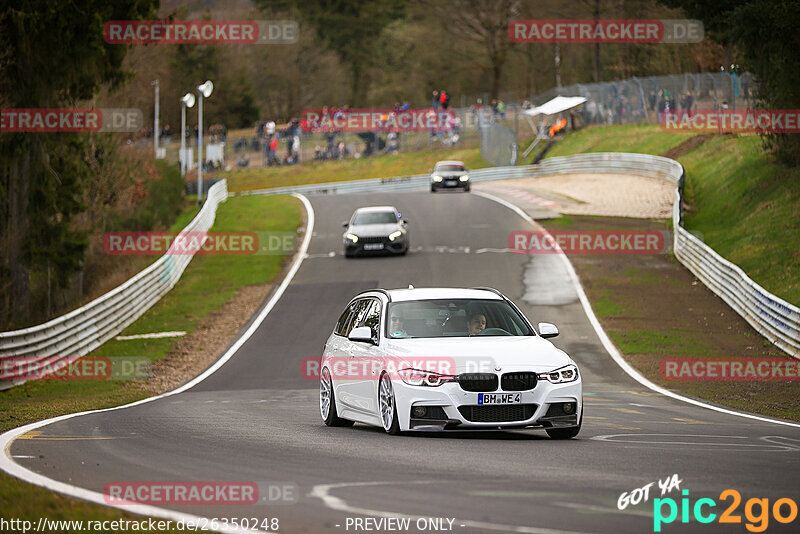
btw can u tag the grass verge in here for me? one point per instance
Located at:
(748, 209)
(746, 206)
(636, 138)
(313, 172)
(183, 308)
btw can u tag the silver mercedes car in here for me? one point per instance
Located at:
(375, 230)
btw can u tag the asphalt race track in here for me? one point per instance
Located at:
(257, 418)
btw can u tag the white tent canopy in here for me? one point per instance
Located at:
(553, 107)
(556, 105)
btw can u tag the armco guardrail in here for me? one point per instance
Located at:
(772, 317)
(40, 348)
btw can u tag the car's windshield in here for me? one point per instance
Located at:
(454, 318)
(449, 168)
(374, 217)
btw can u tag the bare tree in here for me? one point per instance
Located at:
(484, 22)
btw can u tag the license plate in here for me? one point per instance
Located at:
(450, 182)
(373, 246)
(499, 398)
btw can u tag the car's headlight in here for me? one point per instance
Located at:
(352, 237)
(437, 178)
(415, 377)
(464, 178)
(395, 235)
(568, 373)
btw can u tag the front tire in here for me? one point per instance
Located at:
(387, 406)
(327, 401)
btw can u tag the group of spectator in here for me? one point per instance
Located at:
(496, 111)
(269, 136)
(440, 99)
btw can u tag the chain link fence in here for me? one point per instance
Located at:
(640, 100)
(635, 100)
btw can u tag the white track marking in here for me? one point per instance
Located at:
(154, 335)
(323, 492)
(609, 346)
(498, 250)
(6, 439)
(718, 445)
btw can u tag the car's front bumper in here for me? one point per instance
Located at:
(364, 247)
(454, 183)
(368, 246)
(461, 409)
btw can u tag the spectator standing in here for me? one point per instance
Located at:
(273, 149)
(435, 100)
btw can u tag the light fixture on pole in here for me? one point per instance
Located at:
(204, 90)
(186, 102)
(155, 120)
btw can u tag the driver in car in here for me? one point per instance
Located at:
(396, 328)
(476, 323)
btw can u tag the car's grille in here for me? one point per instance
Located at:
(373, 239)
(518, 381)
(501, 413)
(478, 381)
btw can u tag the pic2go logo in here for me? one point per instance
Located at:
(757, 521)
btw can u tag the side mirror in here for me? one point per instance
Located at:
(548, 330)
(362, 334)
(345, 224)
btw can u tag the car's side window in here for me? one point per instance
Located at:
(340, 324)
(372, 317)
(350, 317)
(360, 313)
(357, 310)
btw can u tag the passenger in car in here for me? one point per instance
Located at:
(476, 323)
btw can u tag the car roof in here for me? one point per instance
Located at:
(375, 208)
(450, 162)
(434, 293)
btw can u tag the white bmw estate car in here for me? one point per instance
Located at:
(445, 359)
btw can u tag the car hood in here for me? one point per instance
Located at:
(367, 230)
(481, 354)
